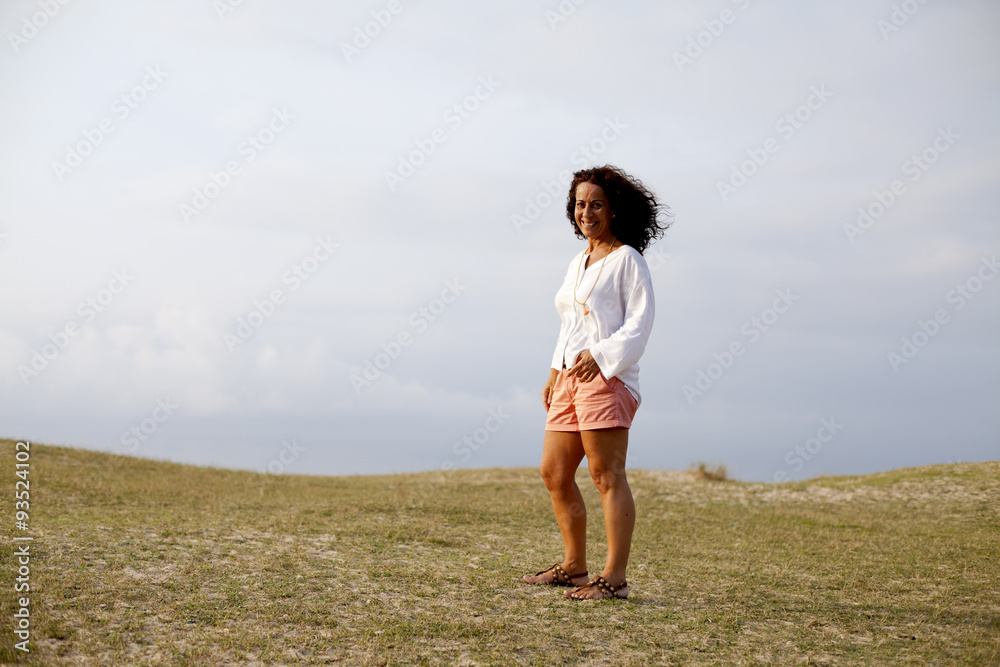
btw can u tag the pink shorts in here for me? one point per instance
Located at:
(583, 406)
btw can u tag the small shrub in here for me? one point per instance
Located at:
(703, 472)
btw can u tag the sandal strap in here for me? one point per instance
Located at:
(548, 569)
(567, 576)
(605, 587)
(560, 575)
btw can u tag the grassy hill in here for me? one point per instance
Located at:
(146, 563)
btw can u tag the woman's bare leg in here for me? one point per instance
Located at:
(606, 450)
(562, 452)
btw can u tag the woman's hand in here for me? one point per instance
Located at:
(547, 389)
(586, 368)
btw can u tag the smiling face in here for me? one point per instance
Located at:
(593, 213)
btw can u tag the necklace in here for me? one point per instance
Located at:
(586, 310)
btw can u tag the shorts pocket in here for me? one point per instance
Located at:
(609, 383)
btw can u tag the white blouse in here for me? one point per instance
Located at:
(620, 318)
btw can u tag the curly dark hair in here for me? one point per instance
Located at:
(638, 214)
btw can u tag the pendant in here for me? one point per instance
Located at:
(585, 311)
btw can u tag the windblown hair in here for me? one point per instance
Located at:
(638, 214)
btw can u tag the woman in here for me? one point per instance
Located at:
(606, 307)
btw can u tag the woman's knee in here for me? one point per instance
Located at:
(607, 478)
(557, 477)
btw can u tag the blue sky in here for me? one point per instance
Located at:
(179, 176)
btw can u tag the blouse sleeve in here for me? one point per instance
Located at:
(624, 347)
(557, 357)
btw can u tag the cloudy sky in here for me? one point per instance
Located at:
(320, 237)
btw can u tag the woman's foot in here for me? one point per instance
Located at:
(600, 588)
(557, 575)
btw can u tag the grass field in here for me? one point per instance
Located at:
(138, 562)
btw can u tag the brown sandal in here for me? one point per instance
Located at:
(559, 577)
(607, 590)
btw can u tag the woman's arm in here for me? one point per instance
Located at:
(624, 347)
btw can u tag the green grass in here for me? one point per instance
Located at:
(149, 563)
